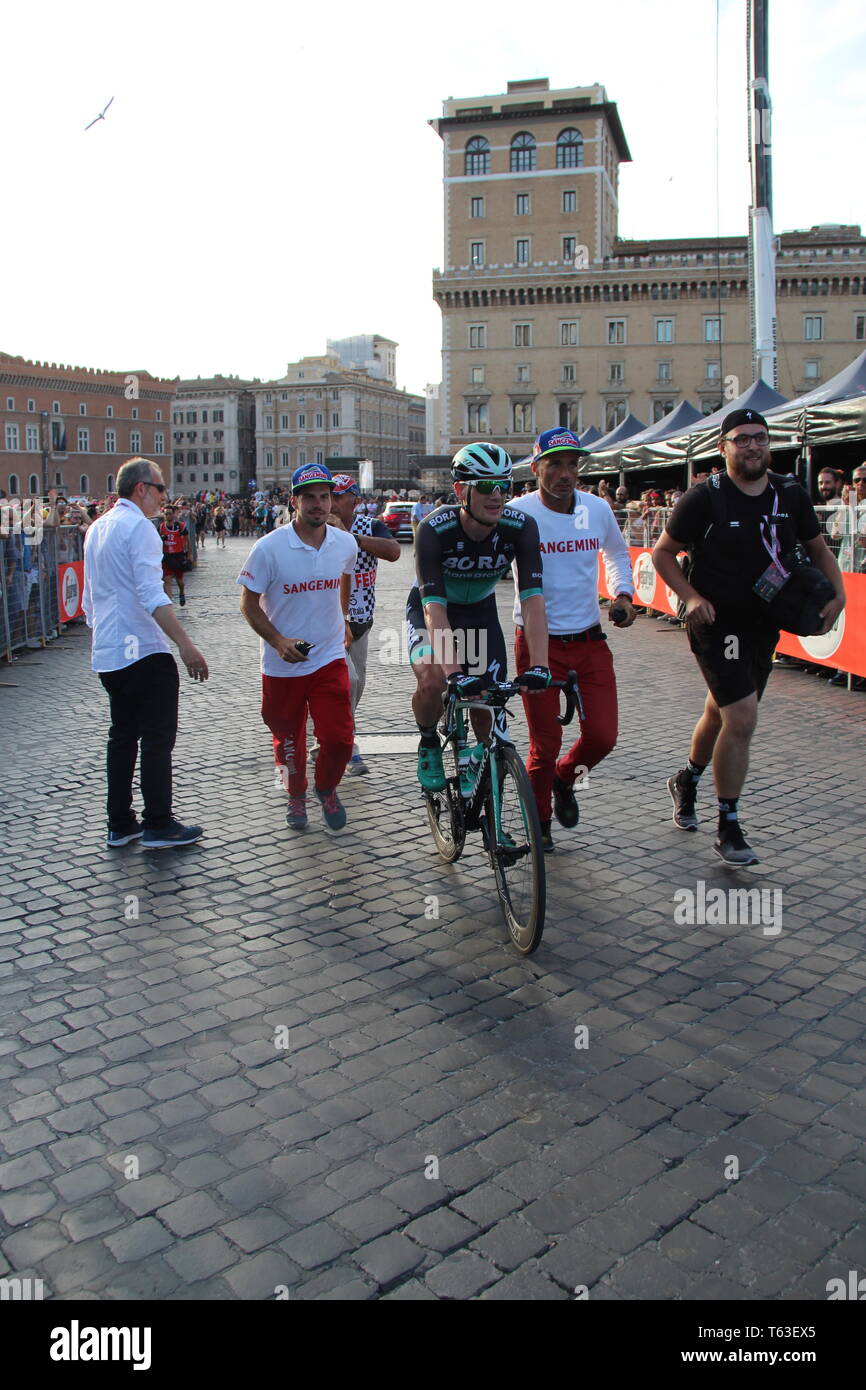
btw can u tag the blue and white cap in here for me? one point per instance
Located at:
(552, 441)
(311, 473)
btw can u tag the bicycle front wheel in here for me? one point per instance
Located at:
(516, 853)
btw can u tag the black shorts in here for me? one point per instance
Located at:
(735, 657)
(479, 639)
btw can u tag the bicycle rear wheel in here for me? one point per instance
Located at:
(445, 815)
(517, 858)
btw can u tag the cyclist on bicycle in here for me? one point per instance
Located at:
(461, 552)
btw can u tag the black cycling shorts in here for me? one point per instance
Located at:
(735, 657)
(479, 639)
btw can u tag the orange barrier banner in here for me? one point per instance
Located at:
(70, 587)
(843, 648)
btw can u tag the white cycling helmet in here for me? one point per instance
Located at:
(475, 462)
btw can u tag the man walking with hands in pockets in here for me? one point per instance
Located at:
(296, 584)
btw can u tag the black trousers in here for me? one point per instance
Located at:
(143, 699)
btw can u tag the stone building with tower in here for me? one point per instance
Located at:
(548, 318)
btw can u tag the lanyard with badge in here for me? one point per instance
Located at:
(775, 576)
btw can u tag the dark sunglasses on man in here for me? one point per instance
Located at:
(488, 485)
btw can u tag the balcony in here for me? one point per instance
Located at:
(495, 271)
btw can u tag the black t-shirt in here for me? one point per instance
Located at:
(727, 557)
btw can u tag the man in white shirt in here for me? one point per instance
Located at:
(131, 615)
(573, 528)
(297, 582)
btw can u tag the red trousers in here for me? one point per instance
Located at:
(594, 666)
(285, 702)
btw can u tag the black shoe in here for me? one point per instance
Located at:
(565, 806)
(116, 838)
(171, 836)
(683, 793)
(182, 599)
(731, 846)
(546, 837)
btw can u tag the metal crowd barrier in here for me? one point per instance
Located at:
(29, 598)
(841, 527)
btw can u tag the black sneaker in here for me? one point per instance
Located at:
(171, 836)
(296, 816)
(565, 806)
(683, 793)
(182, 599)
(116, 838)
(546, 837)
(731, 847)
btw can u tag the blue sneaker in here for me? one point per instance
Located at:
(116, 838)
(332, 809)
(171, 836)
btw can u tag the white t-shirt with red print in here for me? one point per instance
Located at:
(301, 589)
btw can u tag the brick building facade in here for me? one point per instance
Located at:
(72, 427)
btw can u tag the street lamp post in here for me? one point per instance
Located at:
(43, 433)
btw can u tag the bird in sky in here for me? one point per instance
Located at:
(101, 116)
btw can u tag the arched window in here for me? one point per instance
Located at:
(569, 149)
(522, 152)
(84, 484)
(33, 485)
(477, 160)
(109, 483)
(13, 484)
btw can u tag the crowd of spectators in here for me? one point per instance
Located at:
(215, 516)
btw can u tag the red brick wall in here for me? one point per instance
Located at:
(71, 387)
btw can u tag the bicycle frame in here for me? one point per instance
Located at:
(453, 727)
(514, 846)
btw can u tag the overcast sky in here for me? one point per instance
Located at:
(266, 178)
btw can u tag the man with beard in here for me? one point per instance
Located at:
(731, 633)
(297, 582)
(574, 528)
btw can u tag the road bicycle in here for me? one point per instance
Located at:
(501, 805)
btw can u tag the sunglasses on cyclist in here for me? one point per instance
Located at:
(488, 485)
(160, 487)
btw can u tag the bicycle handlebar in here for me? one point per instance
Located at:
(498, 693)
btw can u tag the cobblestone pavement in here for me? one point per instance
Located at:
(432, 1130)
